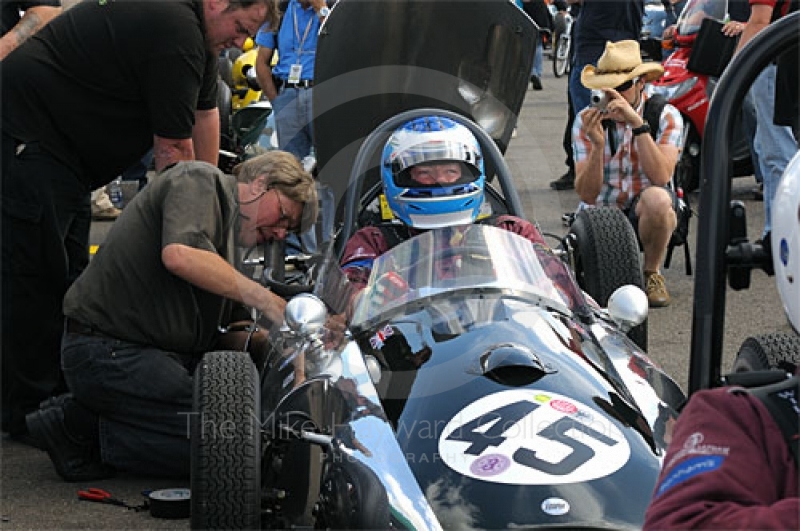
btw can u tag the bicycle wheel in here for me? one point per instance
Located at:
(561, 56)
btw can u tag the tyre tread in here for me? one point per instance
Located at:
(226, 443)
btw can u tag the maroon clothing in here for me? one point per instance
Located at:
(369, 243)
(728, 467)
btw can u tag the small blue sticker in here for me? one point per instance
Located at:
(784, 251)
(689, 469)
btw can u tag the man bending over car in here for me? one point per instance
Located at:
(150, 304)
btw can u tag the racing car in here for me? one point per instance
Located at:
(512, 393)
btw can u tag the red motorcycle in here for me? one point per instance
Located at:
(690, 77)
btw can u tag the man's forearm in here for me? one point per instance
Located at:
(167, 151)
(212, 273)
(760, 17)
(589, 176)
(655, 163)
(264, 73)
(206, 136)
(34, 19)
(750, 31)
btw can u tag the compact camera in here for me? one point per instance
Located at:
(599, 100)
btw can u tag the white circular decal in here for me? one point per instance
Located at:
(555, 506)
(529, 437)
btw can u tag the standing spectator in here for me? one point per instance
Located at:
(567, 180)
(775, 144)
(739, 12)
(19, 19)
(289, 86)
(598, 22)
(618, 162)
(537, 10)
(130, 372)
(82, 100)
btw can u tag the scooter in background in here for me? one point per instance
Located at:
(690, 77)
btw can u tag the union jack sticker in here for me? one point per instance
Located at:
(377, 341)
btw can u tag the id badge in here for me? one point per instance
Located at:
(294, 73)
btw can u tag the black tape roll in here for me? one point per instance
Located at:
(170, 503)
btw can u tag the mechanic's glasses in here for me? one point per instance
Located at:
(284, 221)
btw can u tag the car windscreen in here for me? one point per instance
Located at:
(458, 259)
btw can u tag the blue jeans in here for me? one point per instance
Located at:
(538, 59)
(293, 117)
(292, 109)
(143, 396)
(581, 96)
(775, 144)
(749, 128)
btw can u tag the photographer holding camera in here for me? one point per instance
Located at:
(624, 159)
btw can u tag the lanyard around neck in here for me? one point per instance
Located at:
(297, 31)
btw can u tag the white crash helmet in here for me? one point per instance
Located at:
(786, 240)
(430, 139)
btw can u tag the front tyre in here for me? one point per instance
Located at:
(226, 443)
(607, 257)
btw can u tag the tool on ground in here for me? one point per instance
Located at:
(102, 496)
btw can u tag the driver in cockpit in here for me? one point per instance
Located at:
(433, 177)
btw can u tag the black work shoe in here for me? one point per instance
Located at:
(53, 401)
(536, 83)
(74, 460)
(565, 182)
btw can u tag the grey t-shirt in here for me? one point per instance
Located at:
(127, 293)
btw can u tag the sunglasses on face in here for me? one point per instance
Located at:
(625, 86)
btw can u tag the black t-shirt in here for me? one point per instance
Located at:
(739, 10)
(537, 10)
(601, 21)
(98, 81)
(9, 11)
(128, 293)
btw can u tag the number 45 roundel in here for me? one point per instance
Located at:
(526, 437)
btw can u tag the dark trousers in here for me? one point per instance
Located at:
(45, 242)
(143, 397)
(566, 142)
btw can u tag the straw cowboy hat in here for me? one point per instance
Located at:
(621, 61)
